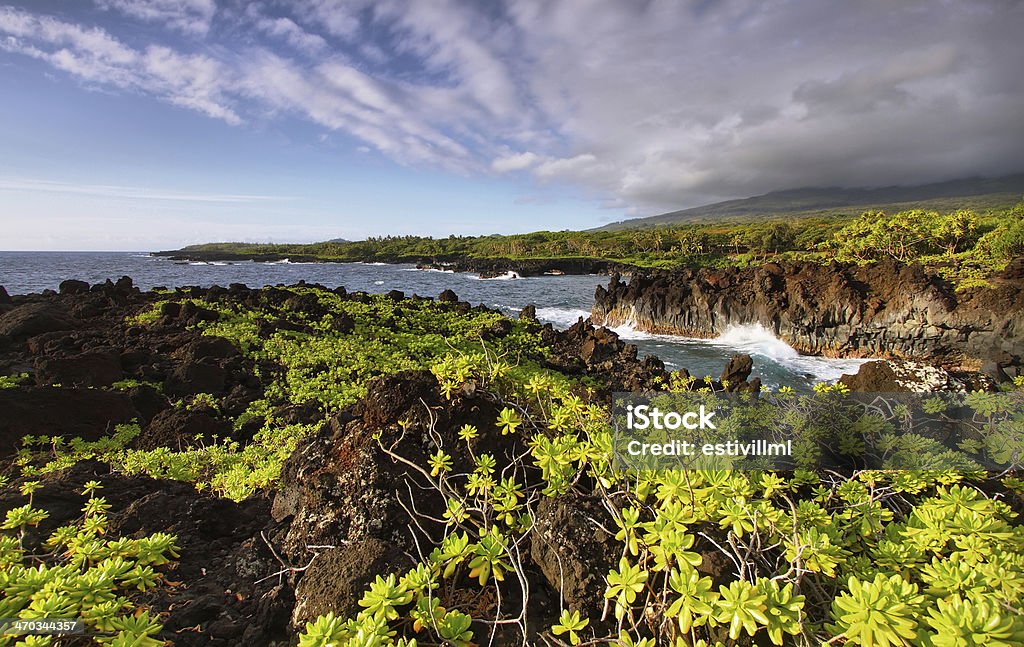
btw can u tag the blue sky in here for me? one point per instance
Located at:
(145, 124)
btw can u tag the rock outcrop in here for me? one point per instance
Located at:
(880, 310)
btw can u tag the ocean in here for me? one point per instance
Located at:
(560, 300)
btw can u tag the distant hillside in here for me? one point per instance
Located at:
(975, 193)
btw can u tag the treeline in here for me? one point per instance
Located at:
(959, 241)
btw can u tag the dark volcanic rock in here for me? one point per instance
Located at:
(67, 412)
(350, 486)
(206, 347)
(147, 401)
(98, 368)
(499, 328)
(874, 377)
(71, 286)
(1003, 367)
(583, 349)
(900, 376)
(528, 313)
(206, 376)
(572, 549)
(178, 429)
(33, 319)
(338, 577)
(883, 309)
(738, 369)
(4, 297)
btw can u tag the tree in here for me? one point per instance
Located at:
(956, 230)
(774, 237)
(873, 236)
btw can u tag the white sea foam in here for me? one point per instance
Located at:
(757, 341)
(421, 269)
(755, 338)
(561, 317)
(507, 276)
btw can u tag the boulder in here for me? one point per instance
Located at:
(204, 376)
(206, 347)
(4, 297)
(737, 370)
(71, 286)
(529, 313)
(96, 368)
(448, 296)
(86, 413)
(901, 376)
(500, 328)
(147, 401)
(874, 377)
(178, 429)
(337, 578)
(572, 549)
(33, 319)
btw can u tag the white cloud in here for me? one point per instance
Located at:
(32, 185)
(657, 105)
(515, 162)
(188, 16)
(296, 36)
(286, 29)
(568, 166)
(194, 81)
(338, 17)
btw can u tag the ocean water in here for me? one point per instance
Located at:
(560, 300)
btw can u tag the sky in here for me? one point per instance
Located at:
(151, 124)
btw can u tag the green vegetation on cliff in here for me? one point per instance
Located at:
(961, 243)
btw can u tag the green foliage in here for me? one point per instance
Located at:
(879, 613)
(12, 381)
(938, 232)
(957, 622)
(904, 236)
(80, 572)
(741, 607)
(326, 366)
(570, 623)
(874, 557)
(384, 596)
(624, 585)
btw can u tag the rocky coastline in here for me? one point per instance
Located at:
(494, 267)
(485, 267)
(882, 310)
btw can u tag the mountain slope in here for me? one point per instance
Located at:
(977, 193)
